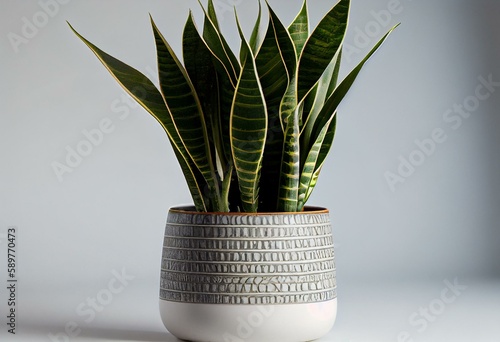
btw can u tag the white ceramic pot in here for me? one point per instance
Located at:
(267, 277)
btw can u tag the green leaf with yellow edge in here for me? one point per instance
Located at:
(225, 58)
(340, 92)
(321, 47)
(315, 100)
(299, 29)
(314, 161)
(141, 89)
(290, 167)
(185, 108)
(248, 130)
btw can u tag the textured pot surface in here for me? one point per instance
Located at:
(248, 277)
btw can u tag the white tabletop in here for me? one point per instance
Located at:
(459, 310)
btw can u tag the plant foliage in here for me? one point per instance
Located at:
(251, 131)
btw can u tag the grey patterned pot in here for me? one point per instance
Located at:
(248, 277)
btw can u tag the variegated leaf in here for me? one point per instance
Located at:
(314, 161)
(321, 47)
(290, 167)
(185, 108)
(248, 130)
(139, 87)
(299, 29)
(338, 95)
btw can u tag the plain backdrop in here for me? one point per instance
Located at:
(400, 227)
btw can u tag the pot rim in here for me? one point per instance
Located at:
(190, 209)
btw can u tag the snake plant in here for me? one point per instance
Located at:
(251, 130)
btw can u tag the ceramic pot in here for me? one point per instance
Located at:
(266, 277)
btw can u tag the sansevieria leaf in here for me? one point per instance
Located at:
(251, 130)
(338, 95)
(255, 39)
(225, 58)
(285, 43)
(287, 50)
(196, 183)
(323, 153)
(299, 29)
(274, 81)
(314, 161)
(315, 100)
(181, 99)
(325, 149)
(289, 101)
(336, 71)
(271, 61)
(203, 75)
(228, 70)
(149, 97)
(289, 58)
(248, 130)
(321, 47)
(212, 14)
(290, 167)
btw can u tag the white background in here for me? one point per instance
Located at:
(396, 247)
